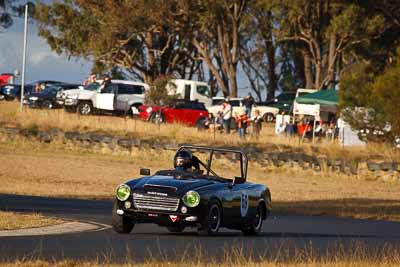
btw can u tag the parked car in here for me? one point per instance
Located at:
(236, 103)
(120, 97)
(196, 193)
(47, 97)
(191, 113)
(13, 91)
(284, 102)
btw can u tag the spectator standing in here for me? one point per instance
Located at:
(257, 123)
(92, 79)
(106, 82)
(248, 102)
(227, 115)
(241, 121)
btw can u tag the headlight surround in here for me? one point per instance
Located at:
(149, 109)
(33, 98)
(123, 192)
(74, 96)
(191, 199)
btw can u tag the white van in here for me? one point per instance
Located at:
(192, 90)
(305, 109)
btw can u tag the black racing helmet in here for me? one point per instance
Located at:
(183, 160)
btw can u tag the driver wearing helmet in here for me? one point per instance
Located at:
(184, 161)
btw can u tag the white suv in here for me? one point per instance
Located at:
(120, 96)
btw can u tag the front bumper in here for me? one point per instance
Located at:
(70, 102)
(160, 218)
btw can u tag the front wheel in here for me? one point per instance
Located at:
(257, 222)
(70, 109)
(85, 108)
(8, 98)
(212, 221)
(121, 224)
(156, 117)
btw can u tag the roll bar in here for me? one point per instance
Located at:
(243, 157)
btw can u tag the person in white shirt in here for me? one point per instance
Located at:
(227, 115)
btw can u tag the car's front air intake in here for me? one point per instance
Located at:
(149, 202)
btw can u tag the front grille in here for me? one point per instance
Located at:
(141, 201)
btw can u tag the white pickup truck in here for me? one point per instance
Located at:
(267, 113)
(120, 96)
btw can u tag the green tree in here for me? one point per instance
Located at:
(10, 9)
(369, 97)
(216, 30)
(327, 30)
(146, 38)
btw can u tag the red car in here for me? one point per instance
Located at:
(191, 113)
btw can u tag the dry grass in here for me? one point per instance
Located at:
(32, 168)
(343, 263)
(360, 256)
(13, 220)
(46, 119)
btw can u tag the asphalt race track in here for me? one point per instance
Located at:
(282, 236)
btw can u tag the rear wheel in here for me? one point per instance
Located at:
(212, 221)
(257, 222)
(200, 124)
(121, 224)
(85, 108)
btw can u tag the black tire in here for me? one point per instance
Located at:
(212, 220)
(176, 229)
(156, 118)
(8, 98)
(47, 104)
(121, 224)
(85, 108)
(269, 117)
(70, 109)
(257, 222)
(200, 124)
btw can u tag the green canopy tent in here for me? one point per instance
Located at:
(324, 98)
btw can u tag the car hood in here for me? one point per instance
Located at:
(40, 94)
(79, 93)
(170, 184)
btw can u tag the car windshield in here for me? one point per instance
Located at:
(51, 89)
(286, 96)
(215, 164)
(92, 87)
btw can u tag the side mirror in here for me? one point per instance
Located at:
(144, 171)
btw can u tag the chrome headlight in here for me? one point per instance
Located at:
(33, 98)
(149, 109)
(72, 96)
(191, 199)
(123, 192)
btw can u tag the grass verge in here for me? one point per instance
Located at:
(175, 133)
(360, 256)
(14, 220)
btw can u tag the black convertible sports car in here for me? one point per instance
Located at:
(194, 195)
